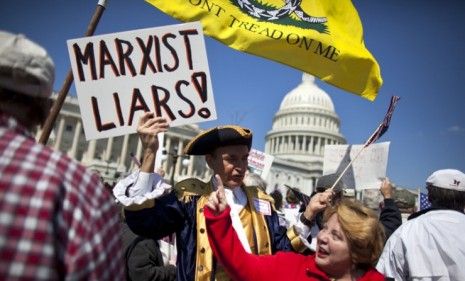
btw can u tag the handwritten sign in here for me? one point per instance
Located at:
(260, 162)
(366, 172)
(120, 76)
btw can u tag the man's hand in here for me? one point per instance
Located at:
(148, 129)
(386, 189)
(318, 203)
(217, 201)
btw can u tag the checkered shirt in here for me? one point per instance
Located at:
(57, 222)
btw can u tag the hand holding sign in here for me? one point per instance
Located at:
(148, 129)
(217, 201)
(387, 189)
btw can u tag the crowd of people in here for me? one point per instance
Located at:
(59, 222)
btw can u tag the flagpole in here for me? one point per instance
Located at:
(352, 161)
(374, 136)
(56, 107)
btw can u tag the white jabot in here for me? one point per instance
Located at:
(139, 187)
(237, 199)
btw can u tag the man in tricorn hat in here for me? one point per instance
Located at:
(151, 211)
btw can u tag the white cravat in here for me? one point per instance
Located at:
(237, 200)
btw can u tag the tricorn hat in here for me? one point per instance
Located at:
(206, 142)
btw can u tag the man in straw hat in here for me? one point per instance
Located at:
(153, 212)
(57, 221)
(431, 246)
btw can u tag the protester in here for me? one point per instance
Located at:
(57, 221)
(278, 199)
(324, 182)
(390, 215)
(278, 204)
(292, 202)
(144, 260)
(150, 212)
(253, 179)
(348, 245)
(431, 246)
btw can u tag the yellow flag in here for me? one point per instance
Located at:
(320, 37)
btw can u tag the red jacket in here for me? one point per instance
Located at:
(242, 266)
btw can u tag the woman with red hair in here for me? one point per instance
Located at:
(347, 247)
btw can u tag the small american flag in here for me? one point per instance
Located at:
(382, 128)
(424, 202)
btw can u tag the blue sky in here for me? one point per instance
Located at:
(418, 44)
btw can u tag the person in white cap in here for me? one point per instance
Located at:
(431, 245)
(57, 221)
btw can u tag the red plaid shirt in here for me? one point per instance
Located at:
(56, 219)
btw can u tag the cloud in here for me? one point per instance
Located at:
(456, 129)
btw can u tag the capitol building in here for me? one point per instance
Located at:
(305, 122)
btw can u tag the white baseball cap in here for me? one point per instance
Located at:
(25, 67)
(447, 178)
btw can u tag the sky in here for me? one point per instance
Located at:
(419, 45)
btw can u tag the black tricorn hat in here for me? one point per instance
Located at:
(206, 142)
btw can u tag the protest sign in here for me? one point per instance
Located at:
(120, 76)
(366, 172)
(260, 162)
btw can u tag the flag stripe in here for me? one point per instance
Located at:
(384, 126)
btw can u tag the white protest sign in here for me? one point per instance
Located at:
(120, 76)
(366, 172)
(260, 162)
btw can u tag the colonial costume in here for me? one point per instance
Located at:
(153, 212)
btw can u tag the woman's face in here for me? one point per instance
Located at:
(332, 252)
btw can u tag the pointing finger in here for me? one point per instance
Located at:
(219, 184)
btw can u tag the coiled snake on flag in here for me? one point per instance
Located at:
(290, 6)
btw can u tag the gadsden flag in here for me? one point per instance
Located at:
(320, 37)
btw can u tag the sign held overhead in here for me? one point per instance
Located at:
(121, 75)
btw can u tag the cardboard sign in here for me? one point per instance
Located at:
(366, 172)
(260, 162)
(120, 76)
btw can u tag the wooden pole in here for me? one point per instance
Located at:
(56, 107)
(353, 160)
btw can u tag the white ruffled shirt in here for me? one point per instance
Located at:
(139, 187)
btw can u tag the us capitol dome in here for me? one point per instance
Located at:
(305, 122)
